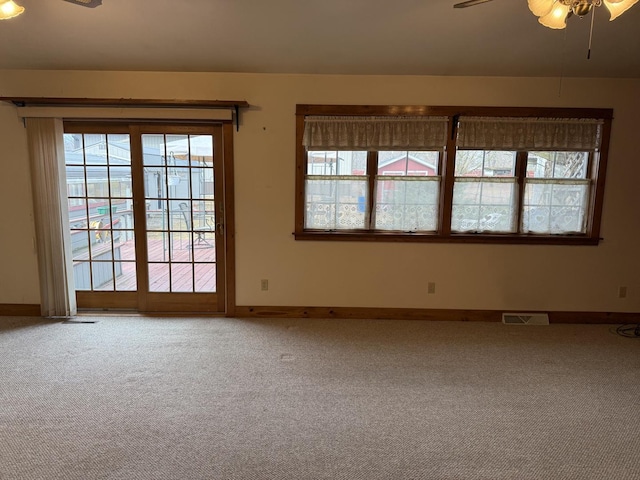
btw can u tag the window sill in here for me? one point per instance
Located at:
(485, 238)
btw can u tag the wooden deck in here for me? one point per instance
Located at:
(174, 265)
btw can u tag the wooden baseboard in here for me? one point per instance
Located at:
(26, 310)
(19, 310)
(425, 314)
(594, 317)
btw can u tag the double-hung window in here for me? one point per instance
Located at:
(373, 173)
(468, 174)
(407, 187)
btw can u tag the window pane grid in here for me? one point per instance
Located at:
(180, 220)
(408, 163)
(336, 163)
(558, 165)
(484, 205)
(98, 169)
(485, 192)
(408, 204)
(336, 203)
(555, 206)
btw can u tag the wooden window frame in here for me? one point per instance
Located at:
(596, 173)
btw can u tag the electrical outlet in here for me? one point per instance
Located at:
(264, 284)
(622, 292)
(431, 287)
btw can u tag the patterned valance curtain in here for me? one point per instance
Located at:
(551, 134)
(374, 133)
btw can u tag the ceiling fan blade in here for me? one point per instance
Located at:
(86, 3)
(470, 3)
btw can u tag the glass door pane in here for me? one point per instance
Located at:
(180, 212)
(100, 202)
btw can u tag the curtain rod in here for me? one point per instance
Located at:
(234, 105)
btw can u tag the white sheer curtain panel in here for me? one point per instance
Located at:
(46, 152)
(374, 133)
(505, 133)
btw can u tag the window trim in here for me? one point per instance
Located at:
(596, 173)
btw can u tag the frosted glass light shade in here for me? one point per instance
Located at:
(9, 9)
(540, 7)
(618, 7)
(557, 17)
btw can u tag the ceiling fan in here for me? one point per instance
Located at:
(554, 13)
(10, 9)
(578, 7)
(86, 3)
(470, 3)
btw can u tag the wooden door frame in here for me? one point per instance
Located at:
(223, 151)
(229, 219)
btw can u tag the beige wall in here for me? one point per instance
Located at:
(349, 273)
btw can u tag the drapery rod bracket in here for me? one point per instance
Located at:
(454, 127)
(22, 104)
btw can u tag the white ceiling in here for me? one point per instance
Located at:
(425, 37)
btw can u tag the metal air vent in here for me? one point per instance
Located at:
(525, 319)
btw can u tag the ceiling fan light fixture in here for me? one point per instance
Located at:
(557, 17)
(553, 13)
(540, 8)
(9, 9)
(618, 7)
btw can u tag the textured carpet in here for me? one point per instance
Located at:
(169, 398)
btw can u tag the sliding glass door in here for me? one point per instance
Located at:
(147, 216)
